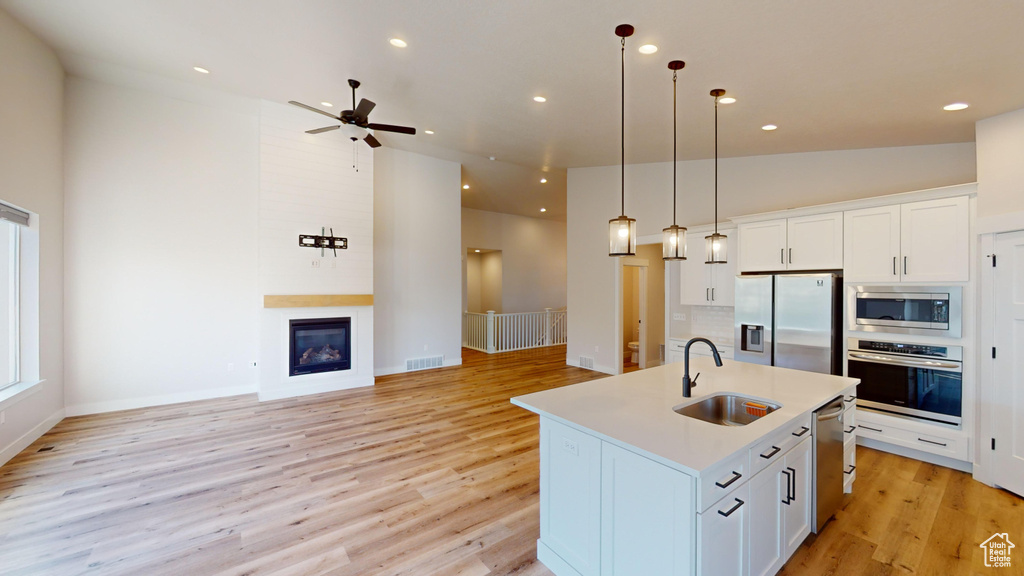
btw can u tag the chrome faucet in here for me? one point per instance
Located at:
(688, 384)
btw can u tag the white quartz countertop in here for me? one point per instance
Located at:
(635, 410)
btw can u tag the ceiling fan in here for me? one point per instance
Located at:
(356, 120)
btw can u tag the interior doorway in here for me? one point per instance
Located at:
(1008, 364)
(483, 280)
(634, 311)
(641, 288)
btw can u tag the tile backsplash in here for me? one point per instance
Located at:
(714, 322)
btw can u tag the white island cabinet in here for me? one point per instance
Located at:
(629, 486)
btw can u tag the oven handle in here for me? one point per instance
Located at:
(931, 364)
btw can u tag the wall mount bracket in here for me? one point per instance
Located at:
(324, 242)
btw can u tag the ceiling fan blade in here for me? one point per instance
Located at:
(322, 130)
(371, 141)
(391, 128)
(311, 109)
(364, 108)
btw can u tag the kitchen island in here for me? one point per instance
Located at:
(630, 486)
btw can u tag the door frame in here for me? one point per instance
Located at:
(641, 264)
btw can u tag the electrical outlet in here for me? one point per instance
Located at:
(570, 446)
(596, 349)
(315, 263)
(3, 417)
(679, 317)
(231, 367)
(425, 347)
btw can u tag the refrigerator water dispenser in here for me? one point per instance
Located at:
(752, 338)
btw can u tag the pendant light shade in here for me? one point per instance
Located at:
(673, 238)
(622, 230)
(716, 246)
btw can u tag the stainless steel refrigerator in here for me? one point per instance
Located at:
(790, 320)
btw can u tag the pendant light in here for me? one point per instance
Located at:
(622, 230)
(716, 247)
(673, 238)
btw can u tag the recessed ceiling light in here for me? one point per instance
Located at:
(539, 99)
(477, 251)
(726, 100)
(648, 49)
(769, 127)
(955, 106)
(327, 104)
(428, 131)
(543, 180)
(465, 186)
(543, 209)
(492, 158)
(200, 69)
(398, 43)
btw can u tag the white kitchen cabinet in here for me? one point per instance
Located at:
(797, 511)
(706, 284)
(935, 240)
(646, 516)
(780, 511)
(925, 241)
(570, 495)
(722, 545)
(804, 243)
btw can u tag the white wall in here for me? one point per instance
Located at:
(160, 245)
(417, 259)
(31, 177)
(533, 252)
(491, 277)
(1001, 168)
(746, 186)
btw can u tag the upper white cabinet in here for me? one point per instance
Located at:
(706, 284)
(924, 241)
(804, 243)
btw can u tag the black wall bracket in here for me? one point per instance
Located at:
(324, 242)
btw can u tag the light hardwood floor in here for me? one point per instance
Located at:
(426, 473)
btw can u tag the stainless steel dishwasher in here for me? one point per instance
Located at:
(828, 461)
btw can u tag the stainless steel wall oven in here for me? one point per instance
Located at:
(915, 380)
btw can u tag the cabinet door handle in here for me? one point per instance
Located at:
(803, 430)
(852, 428)
(712, 294)
(850, 471)
(792, 478)
(870, 428)
(735, 476)
(894, 272)
(782, 255)
(775, 450)
(733, 509)
(707, 294)
(932, 442)
(904, 265)
(787, 500)
(790, 255)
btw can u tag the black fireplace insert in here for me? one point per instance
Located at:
(319, 345)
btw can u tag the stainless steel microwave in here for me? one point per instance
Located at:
(920, 310)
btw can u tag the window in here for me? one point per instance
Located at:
(10, 309)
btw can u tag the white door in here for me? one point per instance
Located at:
(871, 244)
(1008, 385)
(935, 240)
(762, 246)
(646, 516)
(815, 242)
(768, 491)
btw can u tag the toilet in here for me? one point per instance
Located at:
(634, 348)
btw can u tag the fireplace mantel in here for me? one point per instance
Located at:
(316, 300)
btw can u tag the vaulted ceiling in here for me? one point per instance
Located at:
(831, 74)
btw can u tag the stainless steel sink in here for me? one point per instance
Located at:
(727, 409)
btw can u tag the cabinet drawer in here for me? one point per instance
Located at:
(849, 427)
(849, 401)
(774, 447)
(849, 467)
(722, 479)
(935, 442)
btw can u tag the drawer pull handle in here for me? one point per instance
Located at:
(850, 471)
(735, 476)
(775, 450)
(803, 430)
(792, 478)
(852, 428)
(850, 399)
(870, 428)
(789, 479)
(733, 509)
(932, 442)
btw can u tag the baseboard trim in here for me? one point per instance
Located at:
(320, 388)
(29, 437)
(936, 459)
(151, 401)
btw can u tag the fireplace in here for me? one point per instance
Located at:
(319, 345)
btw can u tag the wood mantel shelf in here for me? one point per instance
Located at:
(316, 300)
